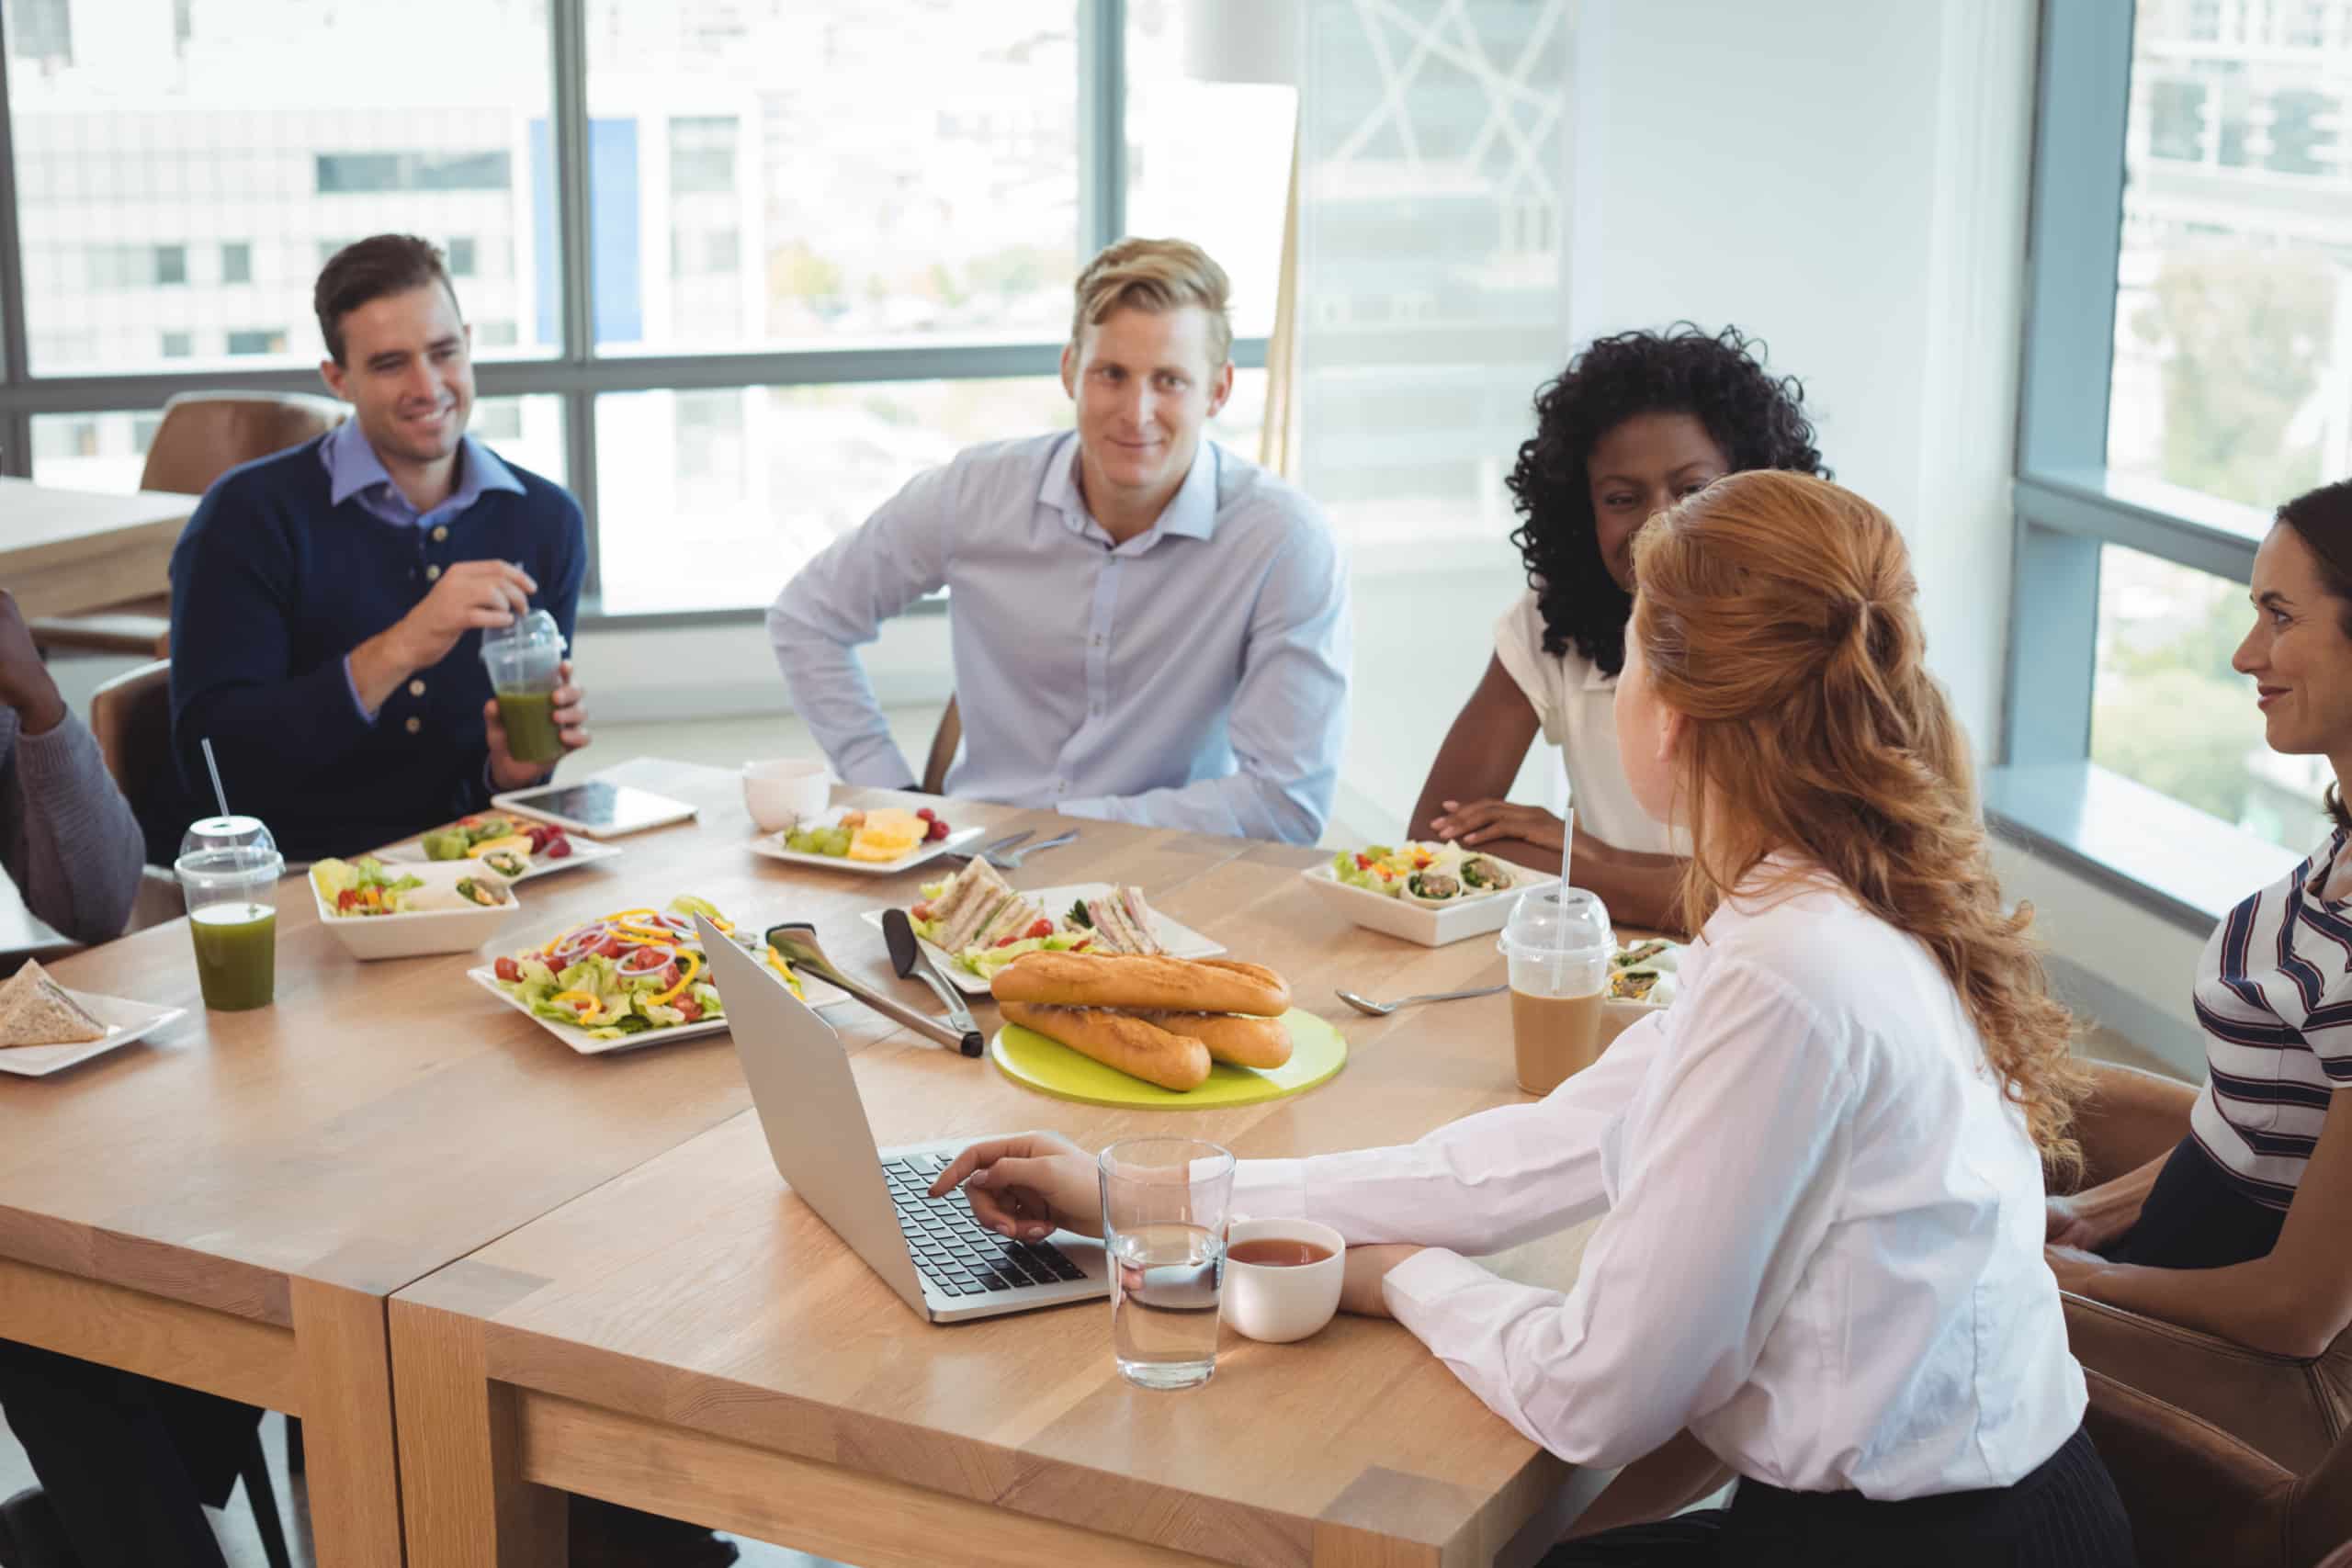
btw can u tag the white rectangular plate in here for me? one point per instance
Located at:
(126, 1021)
(1482, 916)
(820, 994)
(585, 852)
(1182, 941)
(770, 846)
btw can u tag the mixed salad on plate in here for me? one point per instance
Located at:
(632, 971)
(978, 920)
(503, 844)
(879, 836)
(364, 886)
(1433, 875)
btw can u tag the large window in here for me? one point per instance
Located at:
(735, 271)
(2188, 368)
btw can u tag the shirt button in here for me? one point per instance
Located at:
(414, 724)
(432, 574)
(439, 535)
(416, 688)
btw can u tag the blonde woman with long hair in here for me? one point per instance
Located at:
(1821, 1170)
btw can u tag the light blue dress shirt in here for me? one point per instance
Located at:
(1193, 677)
(355, 470)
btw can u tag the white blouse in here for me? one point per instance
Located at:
(1823, 1244)
(1576, 705)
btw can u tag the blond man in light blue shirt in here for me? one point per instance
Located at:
(1146, 628)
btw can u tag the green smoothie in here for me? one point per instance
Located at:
(236, 954)
(529, 719)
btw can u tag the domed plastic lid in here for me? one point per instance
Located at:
(535, 631)
(227, 833)
(1548, 919)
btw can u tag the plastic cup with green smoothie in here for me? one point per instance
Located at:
(228, 869)
(525, 662)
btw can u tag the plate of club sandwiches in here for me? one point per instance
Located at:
(975, 923)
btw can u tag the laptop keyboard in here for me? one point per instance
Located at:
(952, 1249)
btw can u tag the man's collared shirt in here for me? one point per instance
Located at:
(1193, 677)
(355, 472)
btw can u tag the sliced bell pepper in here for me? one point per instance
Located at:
(688, 964)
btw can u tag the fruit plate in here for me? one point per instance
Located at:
(771, 846)
(585, 852)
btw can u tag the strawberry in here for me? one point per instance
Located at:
(938, 829)
(926, 813)
(557, 846)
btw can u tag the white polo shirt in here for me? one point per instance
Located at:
(1576, 705)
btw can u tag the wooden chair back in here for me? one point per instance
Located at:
(944, 741)
(204, 435)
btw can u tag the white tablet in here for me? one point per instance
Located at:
(599, 809)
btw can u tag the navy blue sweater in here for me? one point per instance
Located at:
(272, 585)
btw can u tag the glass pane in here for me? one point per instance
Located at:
(2233, 304)
(183, 169)
(1209, 143)
(833, 171)
(2168, 711)
(712, 499)
(107, 451)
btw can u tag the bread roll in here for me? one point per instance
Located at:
(1261, 1043)
(1135, 1047)
(1141, 984)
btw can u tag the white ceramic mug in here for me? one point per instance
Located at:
(1280, 1302)
(779, 794)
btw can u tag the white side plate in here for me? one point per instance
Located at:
(820, 994)
(126, 1021)
(1481, 916)
(1182, 941)
(771, 847)
(585, 852)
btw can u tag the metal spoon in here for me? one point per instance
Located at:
(797, 942)
(1381, 1009)
(912, 963)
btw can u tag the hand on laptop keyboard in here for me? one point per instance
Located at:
(952, 1248)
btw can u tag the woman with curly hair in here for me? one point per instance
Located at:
(1819, 1174)
(1633, 424)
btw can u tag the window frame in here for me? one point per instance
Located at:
(2046, 791)
(576, 374)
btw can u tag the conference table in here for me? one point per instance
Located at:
(486, 1271)
(66, 552)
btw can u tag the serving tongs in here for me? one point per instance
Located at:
(796, 943)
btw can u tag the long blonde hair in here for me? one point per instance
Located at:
(1778, 614)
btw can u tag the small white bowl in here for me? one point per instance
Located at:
(1430, 926)
(447, 924)
(1276, 1302)
(779, 794)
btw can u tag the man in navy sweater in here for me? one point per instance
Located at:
(328, 601)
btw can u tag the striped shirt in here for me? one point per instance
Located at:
(2274, 998)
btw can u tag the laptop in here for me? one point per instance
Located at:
(931, 1250)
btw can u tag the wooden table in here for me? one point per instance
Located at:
(229, 1204)
(64, 552)
(691, 1339)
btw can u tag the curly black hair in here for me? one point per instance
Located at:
(1757, 419)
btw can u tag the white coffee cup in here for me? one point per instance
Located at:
(1278, 1303)
(780, 792)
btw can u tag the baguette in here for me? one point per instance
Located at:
(1141, 984)
(1261, 1043)
(1135, 1047)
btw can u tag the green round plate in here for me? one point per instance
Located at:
(1028, 1058)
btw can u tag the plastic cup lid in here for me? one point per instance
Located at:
(1547, 921)
(227, 833)
(535, 631)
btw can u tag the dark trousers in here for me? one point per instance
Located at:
(125, 1461)
(2065, 1515)
(2196, 1217)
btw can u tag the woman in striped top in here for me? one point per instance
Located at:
(2239, 1231)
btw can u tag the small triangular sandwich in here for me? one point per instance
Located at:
(36, 1011)
(1121, 921)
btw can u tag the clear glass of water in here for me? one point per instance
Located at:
(1165, 1205)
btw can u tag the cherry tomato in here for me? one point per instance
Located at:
(689, 1006)
(609, 948)
(1082, 944)
(1007, 941)
(920, 911)
(508, 969)
(1041, 928)
(1364, 863)
(347, 899)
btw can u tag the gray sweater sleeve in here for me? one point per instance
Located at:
(67, 837)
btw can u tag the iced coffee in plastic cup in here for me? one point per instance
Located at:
(1558, 943)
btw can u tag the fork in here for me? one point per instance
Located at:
(1011, 860)
(1381, 1009)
